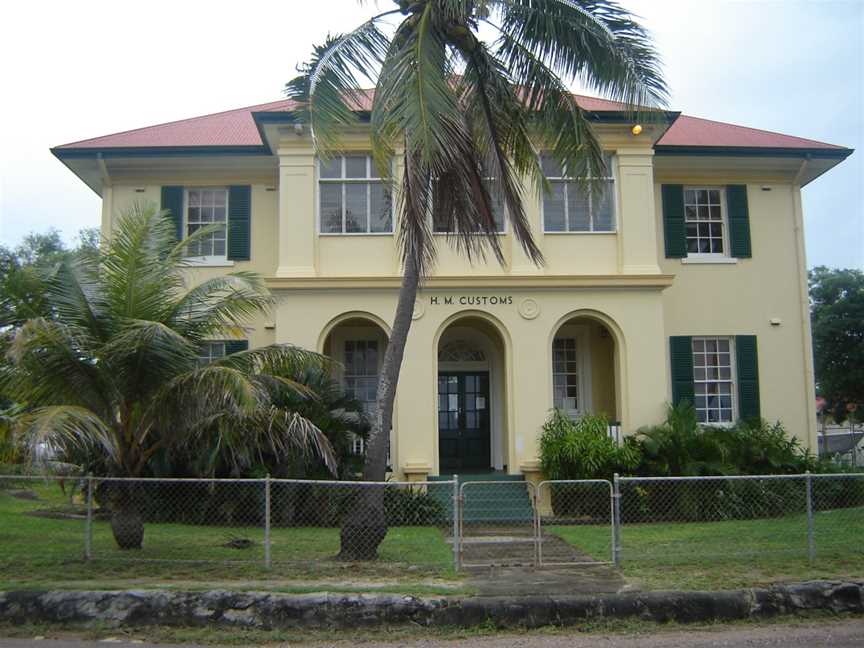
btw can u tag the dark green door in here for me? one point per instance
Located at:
(463, 421)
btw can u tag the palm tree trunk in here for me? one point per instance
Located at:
(366, 525)
(127, 523)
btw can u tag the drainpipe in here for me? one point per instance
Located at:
(804, 299)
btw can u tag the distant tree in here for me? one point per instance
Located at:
(837, 316)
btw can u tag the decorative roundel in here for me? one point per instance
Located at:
(529, 308)
(419, 309)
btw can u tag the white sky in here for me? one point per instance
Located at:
(73, 70)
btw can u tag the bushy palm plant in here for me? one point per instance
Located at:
(467, 115)
(112, 372)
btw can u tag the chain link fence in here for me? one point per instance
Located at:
(257, 521)
(433, 526)
(697, 519)
(575, 522)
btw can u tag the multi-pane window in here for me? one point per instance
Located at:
(352, 198)
(440, 226)
(574, 207)
(361, 379)
(703, 217)
(565, 374)
(210, 351)
(713, 379)
(205, 207)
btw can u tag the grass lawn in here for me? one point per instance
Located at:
(713, 555)
(40, 551)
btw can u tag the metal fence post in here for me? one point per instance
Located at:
(811, 539)
(616, 522)
(267, 562)
(88, 525)
(457, 550)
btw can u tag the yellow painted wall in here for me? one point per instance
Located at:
(742, 299)
(599, 275)
(260, 330)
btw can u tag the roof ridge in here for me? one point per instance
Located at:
(761, 130)
(174, 121)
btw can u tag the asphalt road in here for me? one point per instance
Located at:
(841, 634)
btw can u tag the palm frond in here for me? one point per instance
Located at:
(67, 428)
(595, 42)
(219, 304)
(327, 89)
(54, 364)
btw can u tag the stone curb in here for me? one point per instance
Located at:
(271, 610)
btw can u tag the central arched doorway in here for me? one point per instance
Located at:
(471, 397)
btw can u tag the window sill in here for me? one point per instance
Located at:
(329, 234)
(475, 233)
(582, 233)
(208, 262)
(708, 260)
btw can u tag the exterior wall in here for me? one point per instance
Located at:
(742, 298)
(260, 330)
(598, 275)
(631, 316)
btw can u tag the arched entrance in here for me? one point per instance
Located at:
(585, 376)
(357, 342)
(471, 397)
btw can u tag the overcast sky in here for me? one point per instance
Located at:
(73, 70)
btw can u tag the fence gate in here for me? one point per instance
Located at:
(575, 522)
(497, 523)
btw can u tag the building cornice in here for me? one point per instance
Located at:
(464, 282)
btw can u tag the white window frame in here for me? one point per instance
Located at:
(580, 334)
(209, 345)
(212, 260)
(500, 232)
(709, 257)
(344, 334)
(368, 181)
(733, 379)
(613, 170)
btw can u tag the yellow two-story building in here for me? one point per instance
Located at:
(684, 279)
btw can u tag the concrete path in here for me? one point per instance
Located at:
(838, 634)
(500, 563)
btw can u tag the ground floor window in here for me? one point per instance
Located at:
(713, 379)
(361, 361)
(210, 351)
(565, 374)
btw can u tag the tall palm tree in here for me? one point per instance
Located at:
(468, 115)
(113, 372)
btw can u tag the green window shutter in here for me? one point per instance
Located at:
(239, 222)
(739, 221)
(681, 358)
(747, 363)
(674, 234)
(172, 200)
(236, 346)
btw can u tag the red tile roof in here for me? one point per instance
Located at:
(237, 128)
(694, 131)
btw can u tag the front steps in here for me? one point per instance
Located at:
(492, 499)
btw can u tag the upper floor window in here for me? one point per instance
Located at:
(205, 207)
(570, 207)
(704, 221)
(352, 198)
(441, 226)
(713, 379)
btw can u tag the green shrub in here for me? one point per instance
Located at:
(583, 449)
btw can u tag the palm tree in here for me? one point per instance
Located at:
(113, 373)
(467, 116)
